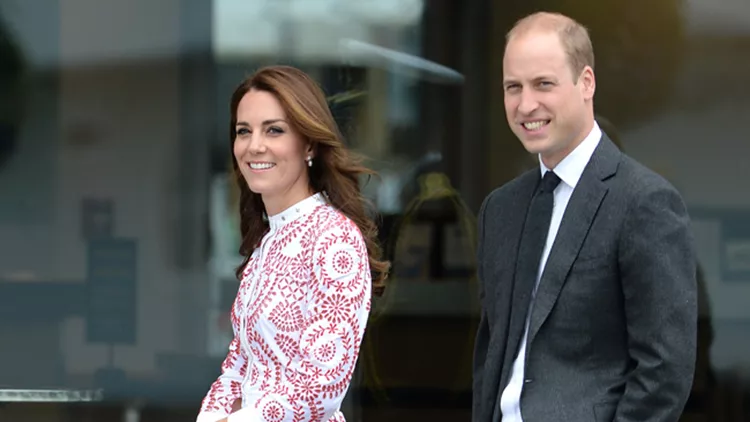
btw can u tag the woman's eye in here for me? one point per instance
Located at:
(242, 131)
(275, 130)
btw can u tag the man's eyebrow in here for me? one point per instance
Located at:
(545, 78)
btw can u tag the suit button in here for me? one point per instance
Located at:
(527, 381)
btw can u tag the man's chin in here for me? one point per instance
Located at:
(535, 146)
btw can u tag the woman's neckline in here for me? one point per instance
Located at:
(296, 211)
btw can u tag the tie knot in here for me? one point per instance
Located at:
(549, 181)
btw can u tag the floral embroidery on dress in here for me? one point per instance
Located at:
(298, 319)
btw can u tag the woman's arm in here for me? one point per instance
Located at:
(226, 390)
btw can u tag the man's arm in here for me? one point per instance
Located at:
(657, 268)
(483, 333)
(480, 353)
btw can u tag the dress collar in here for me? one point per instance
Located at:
(297, 210)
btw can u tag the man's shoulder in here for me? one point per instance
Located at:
(510, 190)
(640, 179)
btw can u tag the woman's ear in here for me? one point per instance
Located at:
(311, 151)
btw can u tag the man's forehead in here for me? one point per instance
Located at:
(538, 38)
(535, 66)
(542, 48)
(534, 55)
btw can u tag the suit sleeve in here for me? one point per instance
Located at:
(483, 333)
(657, 266)
(322, 360)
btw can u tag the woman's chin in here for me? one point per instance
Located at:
(257, 188)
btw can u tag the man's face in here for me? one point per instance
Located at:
(548, 107)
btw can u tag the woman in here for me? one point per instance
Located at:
(311, 257)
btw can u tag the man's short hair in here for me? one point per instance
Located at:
(573, 36)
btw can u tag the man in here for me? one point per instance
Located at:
(586, 265)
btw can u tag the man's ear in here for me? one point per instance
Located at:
(587, 81)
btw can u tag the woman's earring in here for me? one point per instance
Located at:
(309, 161)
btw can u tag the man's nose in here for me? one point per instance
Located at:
(528, 103)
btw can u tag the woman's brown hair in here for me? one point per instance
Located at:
(335, 170)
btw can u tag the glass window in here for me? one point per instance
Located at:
(118, 213)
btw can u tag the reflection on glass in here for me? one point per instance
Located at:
(107, 130)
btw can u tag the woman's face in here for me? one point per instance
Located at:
(270, 153)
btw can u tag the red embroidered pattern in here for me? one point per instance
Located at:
(303, 303)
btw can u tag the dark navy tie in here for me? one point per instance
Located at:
(533, 238)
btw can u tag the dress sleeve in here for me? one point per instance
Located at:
(336, 310)
(227, 388)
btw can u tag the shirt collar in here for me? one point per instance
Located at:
(570, 169)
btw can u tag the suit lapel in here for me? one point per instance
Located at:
(577, 219)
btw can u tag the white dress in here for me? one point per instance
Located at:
(298, 320)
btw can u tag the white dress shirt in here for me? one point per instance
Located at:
(569, 170)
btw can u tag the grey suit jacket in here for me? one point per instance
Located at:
(612, 333)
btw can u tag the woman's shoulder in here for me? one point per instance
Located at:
(331, 223)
